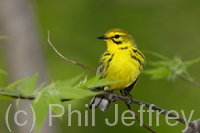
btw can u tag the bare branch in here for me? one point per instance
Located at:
(197, 127)
(28, 97)
(137, 117)
(112, 96)
(188, 80)
(69, 60)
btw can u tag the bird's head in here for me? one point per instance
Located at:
(117, 38)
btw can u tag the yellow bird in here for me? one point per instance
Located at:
(121, 62)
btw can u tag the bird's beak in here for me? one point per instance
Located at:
(102, 37)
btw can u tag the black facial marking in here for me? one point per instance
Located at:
(116, 42)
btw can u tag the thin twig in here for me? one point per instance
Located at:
(69, 60)
(183, 77)
(137, 117)
(192, 130)
(28, 97)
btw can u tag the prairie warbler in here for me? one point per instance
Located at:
(121, 62)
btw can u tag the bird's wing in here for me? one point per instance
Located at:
(100, 68)
(130, 87)
(99, 100)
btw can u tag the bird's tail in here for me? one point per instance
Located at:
(100, 101)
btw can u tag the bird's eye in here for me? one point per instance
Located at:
(116, 36)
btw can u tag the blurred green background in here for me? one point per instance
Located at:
(169, 27)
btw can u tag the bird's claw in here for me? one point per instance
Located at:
(114, 97)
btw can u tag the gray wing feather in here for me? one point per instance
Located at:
(100, 68)
(99, 100)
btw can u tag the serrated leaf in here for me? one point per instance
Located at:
(40, 109)
(96, 82)
(36, 90)
(192, 62)
(102, 82)
(76, 93)
(66, 84)
(28, 85)
(17, 104)
(169, 68)
(55, 103)
(42, 103)
(14, 84)
(158, 73)
(92, 80)
(71, 82)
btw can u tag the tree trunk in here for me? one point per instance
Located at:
(22, 52)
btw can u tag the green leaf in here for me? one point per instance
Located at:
(55, 103)
(92, 81)
(36, 90)
(74, 88)
(169, 68)
(9, 95)
(76, 93)
(14, 84)
(40, 109)
(192, 62)
(102, 82)
(158, 73)
(42, 103)
(96, 82)
(71, 82)
(28, 85)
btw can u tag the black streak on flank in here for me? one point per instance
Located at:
(135, 58)
(108, 62)
(110, 58)
(107, 54)
(136, 51)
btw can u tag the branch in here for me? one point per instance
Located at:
(27, 97)
(137, 117)
(112, 97)
(197, 128)
(188, 80)
(69, 60)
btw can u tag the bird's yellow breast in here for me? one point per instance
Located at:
(122, 67)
